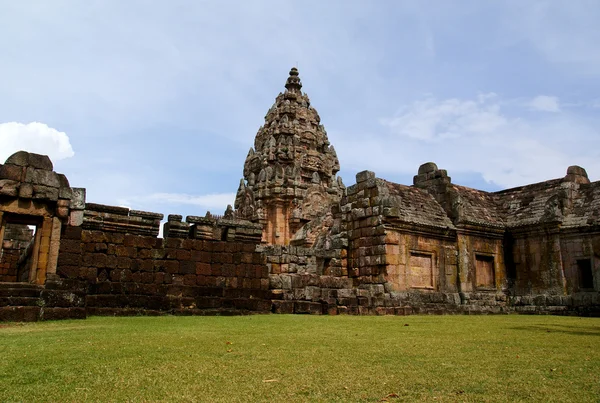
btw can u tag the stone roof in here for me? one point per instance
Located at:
(530, 204)
(477, 207)
(414, 205)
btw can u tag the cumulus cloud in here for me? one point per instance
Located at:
(545, 103)
(506, 147)
(34, 137)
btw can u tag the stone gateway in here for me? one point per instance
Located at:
(299, 241)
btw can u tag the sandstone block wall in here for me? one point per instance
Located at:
(128, 273)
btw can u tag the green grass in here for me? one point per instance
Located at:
(280, 358)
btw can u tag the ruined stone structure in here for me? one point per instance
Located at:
(299, 241)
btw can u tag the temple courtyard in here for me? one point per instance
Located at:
(302, 358)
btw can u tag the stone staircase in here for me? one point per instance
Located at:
(20, 302)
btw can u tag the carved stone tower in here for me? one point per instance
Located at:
(290, 174)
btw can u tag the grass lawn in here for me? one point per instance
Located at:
(281, 358)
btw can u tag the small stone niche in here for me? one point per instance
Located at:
(484, 271)
(421, 270)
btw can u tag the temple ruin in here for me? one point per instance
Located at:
(297, 240)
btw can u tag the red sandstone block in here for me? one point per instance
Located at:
(173, 243)
(159, 278)
(203, 269)
(248, 247)
(218, 246)
(237, 258)
(226, 258)
(170, 253)
(255, 283)
(201, 280)
(111, 261)
(71, 233)
(188, 244)
(246, 258)
(93, 236)
(136, 277)
(183, 254)
(147, 277)
(216, 269)
(115, 275)
(94, 259)
(313, 308)
(115, 237)
(129, 240)
(229, 247)
(258, 258)
(171, 266)
(123, 262)
(211, 281)
(89, 274)
(205, 257)
(128, 251)
(196, 255)
(285, 307)
(68, 271)
(177, 279)
(207, 246)
(69, 259)
(187, 267)
(228, 270)
(232, 282)
(146, 265)
(70, 245)
(189, 279)
(111, 249)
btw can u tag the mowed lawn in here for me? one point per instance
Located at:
(281, 358)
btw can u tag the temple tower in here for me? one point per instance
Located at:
(290, 173)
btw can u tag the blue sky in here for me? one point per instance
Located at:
(154, 105)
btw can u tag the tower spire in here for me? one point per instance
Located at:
(293, 83)
(290, 175)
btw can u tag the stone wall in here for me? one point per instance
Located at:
(128, 273)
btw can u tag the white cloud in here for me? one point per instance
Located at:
(545, 103)
(217, 201)
(34, 137)
(509, 148)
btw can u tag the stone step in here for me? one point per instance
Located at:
(20, 292)
(19, 285)
(19, 301)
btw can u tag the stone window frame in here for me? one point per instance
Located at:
(489, 257)
(580, 285)
(433, 257)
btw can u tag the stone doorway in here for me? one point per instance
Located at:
(20, 236)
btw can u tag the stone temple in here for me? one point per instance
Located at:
(298, 241)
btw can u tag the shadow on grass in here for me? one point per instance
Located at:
(574, 330)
